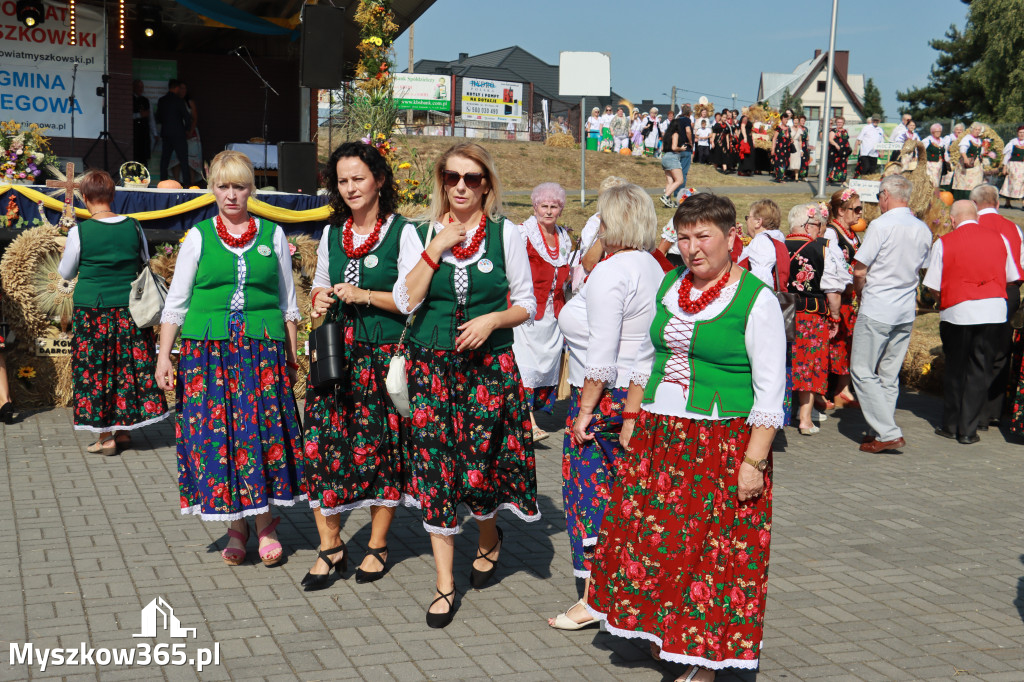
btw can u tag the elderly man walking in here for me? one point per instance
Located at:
(885, 276)
(969, 269)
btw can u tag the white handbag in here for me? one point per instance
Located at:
(397, 381)
(149, 291)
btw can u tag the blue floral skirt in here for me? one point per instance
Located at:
(239, 441)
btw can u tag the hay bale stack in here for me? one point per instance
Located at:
(560, 140)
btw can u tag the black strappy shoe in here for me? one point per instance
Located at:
(369, 576)
(441, 620)
(312, 583)
(479, 579)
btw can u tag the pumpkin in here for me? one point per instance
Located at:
(168, 184)
(947, 198)
(625, 151)
(859, 226)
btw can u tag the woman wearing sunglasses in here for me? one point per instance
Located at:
(845, 210)
(466, 276)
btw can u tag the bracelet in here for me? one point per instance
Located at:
(369, 296)
(430, 261)
(291, 365)
(631, 415)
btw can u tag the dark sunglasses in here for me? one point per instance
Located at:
(451, 178)
(858, 209)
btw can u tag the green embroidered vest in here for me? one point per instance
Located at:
(378, 271)
(217, 278)
(109, 261)
(1017, 154)
(719, 367)
(435, 325)
(933, 153)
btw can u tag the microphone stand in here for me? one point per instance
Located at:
(267, 89)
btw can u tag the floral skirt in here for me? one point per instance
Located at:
(470, 439)
(681, 561)
(239, 442)
(1017, 414)
(839, 345)
(588, 472)
(810, 353)
(1013, 185)
(934, 171)
(355, 440)
(112, 367)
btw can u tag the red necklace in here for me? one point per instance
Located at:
(231, 240)
(849, 234)
(704, 300)
(551, 252)
(371, 239)
(464, 252)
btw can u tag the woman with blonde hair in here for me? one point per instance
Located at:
(233, 298)
(466, 276)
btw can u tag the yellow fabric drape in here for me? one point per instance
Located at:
(255, 206)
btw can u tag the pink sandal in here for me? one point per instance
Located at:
(234, 556)
(269, 549)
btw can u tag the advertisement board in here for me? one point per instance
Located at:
(423, 92)
(484, 100)
(37, 69)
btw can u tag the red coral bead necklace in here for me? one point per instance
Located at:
(230, 239)
(705, 299)
(553, 252)
(371, 240)
(464, 252)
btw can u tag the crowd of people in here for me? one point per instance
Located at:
(679, 376)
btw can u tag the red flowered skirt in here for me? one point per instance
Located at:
(680, 560)
(839, 345)
(810, 353)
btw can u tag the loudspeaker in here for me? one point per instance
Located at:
(321, 64)
(296, 167)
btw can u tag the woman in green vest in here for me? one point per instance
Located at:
(112, 360)
(354, 439)
(233, 297)
(682, 555)
(466, 275)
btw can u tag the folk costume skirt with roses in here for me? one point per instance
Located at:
(588, 472)
(810, 353)
(112, 369)
(354, 451)
(681, 561)
(470, 439)
(239, 441)
(840, 344)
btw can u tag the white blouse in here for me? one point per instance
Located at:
(765, 340)
(837, 275)
(322, 278)
(761, 253)
(68, 267)
(1007, 150)
(517, 267)
(180, 292)
(609, 320)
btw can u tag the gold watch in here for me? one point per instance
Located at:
(759, 464)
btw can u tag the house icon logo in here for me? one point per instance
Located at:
(158, 614)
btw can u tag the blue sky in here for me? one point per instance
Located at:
(714, 48)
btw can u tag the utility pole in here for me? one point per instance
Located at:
(408, 112)
(673, 98)
(827, 114)
(734, 100)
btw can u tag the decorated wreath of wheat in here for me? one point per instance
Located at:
(995, 145)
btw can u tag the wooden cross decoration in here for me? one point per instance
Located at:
(69, 186)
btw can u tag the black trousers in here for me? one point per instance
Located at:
(867, 165)
(1000, 378)
(178, 145)
(969, 350)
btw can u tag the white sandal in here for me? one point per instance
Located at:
(564, 622)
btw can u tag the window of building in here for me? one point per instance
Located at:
(821, 86)
(836, 112)
(813, 113)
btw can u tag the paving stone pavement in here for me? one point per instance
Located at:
(884, 567)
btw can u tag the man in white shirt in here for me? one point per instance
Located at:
(968, 271)
(885, 277)
(866, 147)
(900, 131)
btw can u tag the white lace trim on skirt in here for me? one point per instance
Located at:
(405, 501)
(197, 510)
(130, 427)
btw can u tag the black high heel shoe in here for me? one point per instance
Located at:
(479, 579)
(312, 583)
(369, 576)
(7, 412)
(441, 620)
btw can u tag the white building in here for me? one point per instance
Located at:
(808, 81)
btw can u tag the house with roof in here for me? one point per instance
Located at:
(808, 82)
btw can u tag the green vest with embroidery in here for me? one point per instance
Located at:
(933, 153)
(378, 271)
(719, 367)
(435, 325)
(1017, 154)
(217, 278)
(108, 263)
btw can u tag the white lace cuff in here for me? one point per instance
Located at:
(401, 296)
(172, 317)
(531, 310)
(639, 378)
(293, 316)
(776, 420)
(604, 374)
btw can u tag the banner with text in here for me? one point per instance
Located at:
(37, 69)
(484, 100)
(423, 92)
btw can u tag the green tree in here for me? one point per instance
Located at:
(873, 100)
(788, 101)
(952, 91)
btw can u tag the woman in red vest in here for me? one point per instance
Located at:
(538, 343)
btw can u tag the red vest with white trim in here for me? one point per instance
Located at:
(973, 265)
(1008, 229)
(544, 275)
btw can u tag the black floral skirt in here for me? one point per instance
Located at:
(470, 439)
(112, 368)
(355, 454)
